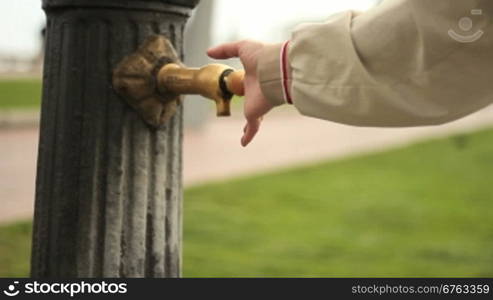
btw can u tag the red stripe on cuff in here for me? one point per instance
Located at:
(284, 71)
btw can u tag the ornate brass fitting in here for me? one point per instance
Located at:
(152, 79)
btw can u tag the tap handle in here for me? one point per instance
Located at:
(235, 82)
(232, 84)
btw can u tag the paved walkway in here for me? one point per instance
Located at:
(286, 139)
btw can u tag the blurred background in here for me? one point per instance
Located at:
(307, 198)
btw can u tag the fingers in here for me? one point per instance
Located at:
(250, 130)
(225, 51)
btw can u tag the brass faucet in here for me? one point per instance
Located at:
(217, 82)
(152, 79)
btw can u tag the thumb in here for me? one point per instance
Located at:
(225, 51)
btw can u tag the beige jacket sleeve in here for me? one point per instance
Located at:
(403, 63)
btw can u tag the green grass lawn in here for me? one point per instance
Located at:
(15, 243)
(424, 210)
(20, 94)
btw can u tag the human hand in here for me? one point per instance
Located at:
(256, 105)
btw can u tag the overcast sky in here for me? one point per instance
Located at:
(267, 20)
(22, 20)
(20, 25)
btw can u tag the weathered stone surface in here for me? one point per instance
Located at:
(108, 191)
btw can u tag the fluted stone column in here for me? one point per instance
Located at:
(109, 188)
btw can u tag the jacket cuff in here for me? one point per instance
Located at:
(273, 73)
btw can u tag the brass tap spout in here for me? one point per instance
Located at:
(215, 81)
(151, 80)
